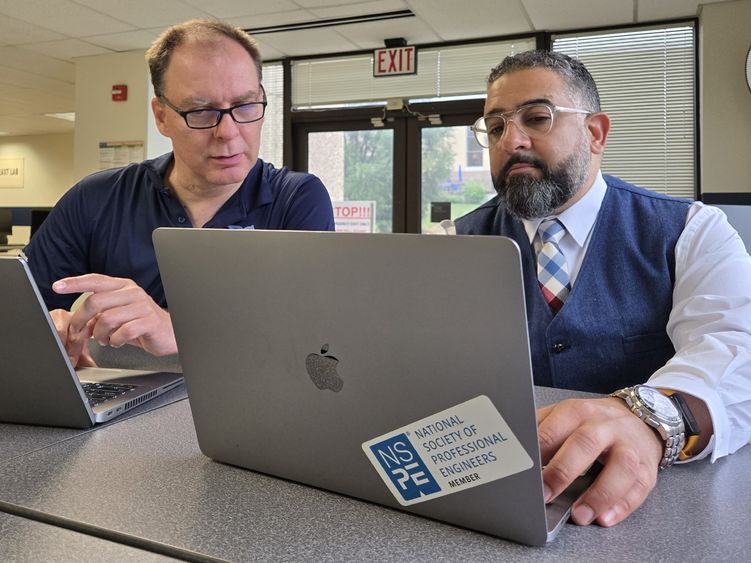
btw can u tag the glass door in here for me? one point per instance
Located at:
(455, 175)
(357, 168)
(403, 171)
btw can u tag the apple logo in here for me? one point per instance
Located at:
(322, 370)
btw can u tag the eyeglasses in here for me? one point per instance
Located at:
(534, 120)
(208, 118)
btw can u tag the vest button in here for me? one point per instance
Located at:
(558, 347)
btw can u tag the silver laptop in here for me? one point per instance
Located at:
(391, 368)
(39, 385)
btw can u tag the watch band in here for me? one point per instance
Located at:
(673, 436)
(691, 427)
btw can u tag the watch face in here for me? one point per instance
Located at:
(658, 403)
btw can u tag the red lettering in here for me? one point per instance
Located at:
(353, 211)
(381, 61)
(392, 63)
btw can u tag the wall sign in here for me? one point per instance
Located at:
(354, 216)
(113, 154)
(11, 172)
(392, 61)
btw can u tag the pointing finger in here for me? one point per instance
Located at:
(89, 282)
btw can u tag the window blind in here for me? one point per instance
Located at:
(647, 84)
(459, 70)
(272, 132)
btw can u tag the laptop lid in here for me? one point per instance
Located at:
(302, 351)
(39, 385)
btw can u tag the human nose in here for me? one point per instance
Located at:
(513, 139)
(227, 126)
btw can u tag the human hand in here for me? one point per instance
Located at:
(117, 312)
(575, 433)
(76, 345)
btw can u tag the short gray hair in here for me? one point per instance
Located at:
(580, 83)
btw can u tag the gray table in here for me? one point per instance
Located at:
(22, 539)
(146, 479)
(18, 439)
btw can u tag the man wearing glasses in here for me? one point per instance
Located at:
(210, 102)
(623, 287)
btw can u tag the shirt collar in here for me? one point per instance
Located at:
(254, 192)
(577, 219)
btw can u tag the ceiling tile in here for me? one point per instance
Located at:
(268, 53)
(127, 41)
(63, 16)
(67, 49)
(371, 35)
(453, 20)
(357, 8)
(30, 80)
(578, 14)
(664, 9)
(18, 32)
(35, 125)
(27, 104)
(23, 59)
(146, 13)
(248, 8)
(306, 42)
(322, 3)
(265, 20)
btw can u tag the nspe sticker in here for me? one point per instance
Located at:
(456, 449)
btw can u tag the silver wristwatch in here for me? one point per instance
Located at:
(659, 412)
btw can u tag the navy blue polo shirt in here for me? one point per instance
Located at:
(104, 223)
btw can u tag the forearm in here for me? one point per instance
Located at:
(710, 327)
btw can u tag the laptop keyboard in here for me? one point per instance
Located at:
(98, 393)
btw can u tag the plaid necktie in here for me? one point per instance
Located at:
(552, 270)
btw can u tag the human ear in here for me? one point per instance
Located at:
(159, 112)
(598, 126)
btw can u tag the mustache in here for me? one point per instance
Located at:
(523, 159)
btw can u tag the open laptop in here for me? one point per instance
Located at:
(39, 385)
(391, 368)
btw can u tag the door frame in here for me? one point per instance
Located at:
(407, 125)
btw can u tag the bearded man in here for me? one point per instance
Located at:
(628, 292)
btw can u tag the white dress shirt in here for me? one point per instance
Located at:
(710, 323)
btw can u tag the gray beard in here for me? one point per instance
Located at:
(526, 197)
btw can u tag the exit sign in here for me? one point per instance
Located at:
(395, 60)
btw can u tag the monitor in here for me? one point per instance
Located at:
(6, 224)
(37, 218)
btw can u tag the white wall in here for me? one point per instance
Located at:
(100, 119)
(48, 169)
(725, 99)
(48, 173)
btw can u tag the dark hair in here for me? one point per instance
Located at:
(159, 54)
(580, 83)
